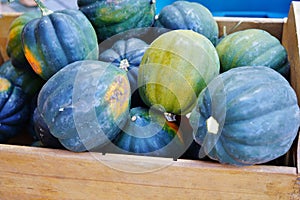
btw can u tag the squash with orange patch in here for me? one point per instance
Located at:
(85, 104)
(57, 39)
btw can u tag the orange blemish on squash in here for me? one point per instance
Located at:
(4, 84)
(35, 64)
(118, 95)
(177, 130)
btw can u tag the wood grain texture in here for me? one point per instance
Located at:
(47, 173)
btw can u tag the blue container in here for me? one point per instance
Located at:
(240, 8)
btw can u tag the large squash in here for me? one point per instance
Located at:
(14, 47)
(85, 104)
(252, 47)
(175, 68)
(190, 16)
(57, 39)
(112, 17)
(14, 110)
(247, 115)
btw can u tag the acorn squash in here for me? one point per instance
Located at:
(85, 104)
(246, 115)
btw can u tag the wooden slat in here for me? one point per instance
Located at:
(41, 172)
(233, 24)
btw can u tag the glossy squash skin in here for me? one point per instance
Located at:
(112, 17)
(189, 16)
(58, 39)
(26, 78)
(252, 47)
(147, 132)
(247, 115)
(14, 110)
(174, 70)
(14, 47)
(85, 104)
(127, 55)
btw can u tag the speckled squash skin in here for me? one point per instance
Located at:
(252, 47)
(174, 70)
(14, 110)
(85, 104)
(58, 39)
(247, 115)
(127, 55)
(147, 132)
(29, 81)
(14, 47)
(189, 16)
(110, 17)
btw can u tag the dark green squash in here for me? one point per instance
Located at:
(14, 110)
(247, 115)
(14, 47)
(252, 47)
(175, 68)
(112, 17)
(85, 104)
(127, 55)
(29, 81)
(147, 132)
(57, 39)
(189, 16)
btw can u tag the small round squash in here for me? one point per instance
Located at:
(189, 16)
(247, 115)
(147, 132)
(85, 104)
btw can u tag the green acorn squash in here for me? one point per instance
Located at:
(189, 16)
(85, 104)
(112, 17)
(252, 47)
(58, 38)
(247, 115)
(147, 132)
(14, 47)
(127, 55)
(14, 110)
(175, 68)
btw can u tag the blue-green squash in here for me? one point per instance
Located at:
(85, 104)
(189, 16)
(247, 115)
(57, 39)
(174, 70)
(14, 110)
(253, 47)
(147, 132)
(112, 17)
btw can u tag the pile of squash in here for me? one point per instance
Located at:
(114, 77)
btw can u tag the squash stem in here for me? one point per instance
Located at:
(44, 9)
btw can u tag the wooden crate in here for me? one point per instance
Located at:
(41, 173)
